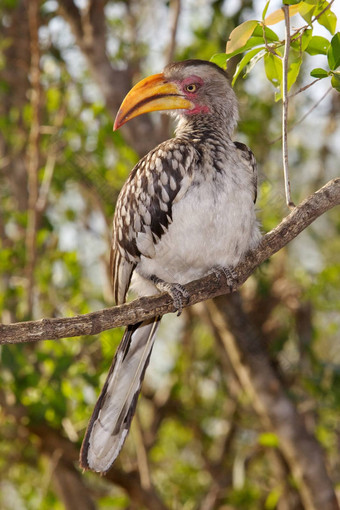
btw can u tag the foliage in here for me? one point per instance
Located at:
(259, 41)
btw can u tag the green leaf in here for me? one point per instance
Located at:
(240, 35)
(306, 38)
(319, 73)
(270, 35)
(220, 59)
(333, 54)
(293, 69)
(268, 439)
(273, 498)
(328, 20)
(264, 12)
(248, 59)
(335, 81)
(307, 11)
(303, 41)
(273, 68)
(318, 45)
(291, 2)
(253, 41)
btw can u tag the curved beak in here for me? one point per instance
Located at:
(152, 94)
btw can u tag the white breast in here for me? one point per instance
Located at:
(213, 224)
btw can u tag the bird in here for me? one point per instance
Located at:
(186, 210)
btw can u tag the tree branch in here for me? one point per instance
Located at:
(89, 29)
(285, 100)
(208, 287)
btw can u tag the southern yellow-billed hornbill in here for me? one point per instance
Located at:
(187, 209)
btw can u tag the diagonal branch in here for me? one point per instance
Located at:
(208, 287)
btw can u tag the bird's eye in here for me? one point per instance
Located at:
(192, 87)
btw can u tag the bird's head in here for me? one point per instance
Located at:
(191, 87)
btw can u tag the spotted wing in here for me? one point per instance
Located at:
(249, 159)
(144, 208)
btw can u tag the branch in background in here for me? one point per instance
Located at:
(175, 6)
(33, 152)
(208, 287)
(252, 365)
(285, 100)
(175, 9)
(308, 112)
(89, 29)
(302, 89)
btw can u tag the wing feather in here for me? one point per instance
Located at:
(249, 159)
(144, 207)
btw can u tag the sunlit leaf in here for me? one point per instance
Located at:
(273, 68)
(318, 45)
(219, 59)
(269, 34)
(328, 20)
(260, 35)
(250, 58)
(264, 12)
(251, 43)
(278, 15)
(303, 41)
(307, 11)
(293, 68)
(291, 2)
(333, 54)
(240, 35)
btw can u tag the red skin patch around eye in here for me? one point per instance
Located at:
(191, 95)
(191, 79)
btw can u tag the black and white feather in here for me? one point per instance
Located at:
(187, 207)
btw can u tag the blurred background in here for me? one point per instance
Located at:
(200, 438)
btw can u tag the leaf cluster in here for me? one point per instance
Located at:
(258, 41)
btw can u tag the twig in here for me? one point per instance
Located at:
(50, 165)
(328, 6)
(208, 287)
(315, 105)
(285, 101)
(302, 89)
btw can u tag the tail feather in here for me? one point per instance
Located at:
(116, 405)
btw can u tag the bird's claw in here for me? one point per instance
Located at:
(229, 274)
(175, 290)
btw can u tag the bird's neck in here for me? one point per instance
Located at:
(202, 127)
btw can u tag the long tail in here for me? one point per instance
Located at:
(116, 405)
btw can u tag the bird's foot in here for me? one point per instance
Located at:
(175, 290)
(229, 274)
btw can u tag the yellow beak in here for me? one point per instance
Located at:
(152, 94)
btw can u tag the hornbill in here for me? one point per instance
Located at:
(187, 209)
